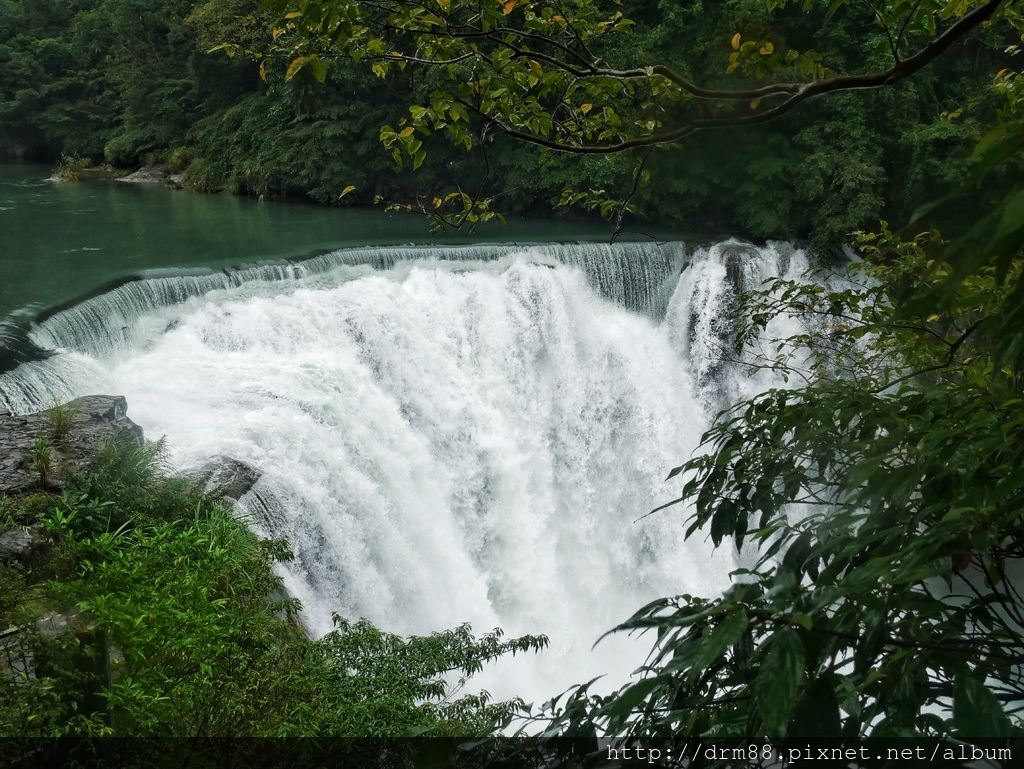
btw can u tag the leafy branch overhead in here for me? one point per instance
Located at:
(546, 72)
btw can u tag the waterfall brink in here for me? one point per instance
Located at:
(444, 435)
(632, 274)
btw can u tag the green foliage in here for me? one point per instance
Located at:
(841, 171)
(994, 238)
(133, 81)
(68, 168)
(417, 695)
(184, 630)
(59, 419)
(585, 79)
(42, 459)
(885, 498)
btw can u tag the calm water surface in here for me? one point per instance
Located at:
(59, 241)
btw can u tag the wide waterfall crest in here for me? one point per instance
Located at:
(633, 274)
(442, 440)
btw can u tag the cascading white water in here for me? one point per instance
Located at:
(445, 435)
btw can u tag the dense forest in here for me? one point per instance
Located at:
(879, 494)
(131, 82)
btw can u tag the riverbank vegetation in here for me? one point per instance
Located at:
(129, 82)
(153, 611)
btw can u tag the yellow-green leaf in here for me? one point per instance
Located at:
(294, 67)
(319, 68)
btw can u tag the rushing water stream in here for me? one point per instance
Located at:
(446, 434)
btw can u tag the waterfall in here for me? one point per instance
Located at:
(446, 435)
(633, 274)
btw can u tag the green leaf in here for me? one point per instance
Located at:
(728, 632)
(1013, 214)
(319, 68)
(976, 711)
(779, 681)
(817, 713)
(622, 705)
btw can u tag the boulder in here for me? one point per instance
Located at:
(232, 478)
(25, 546)
(15, 544)
(39, 450)
(736, 256)
(145, 175)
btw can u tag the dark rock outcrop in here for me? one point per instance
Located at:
(235, 478)
(146, 175)
(735, 258)
(228, 476)
(155, 175)
(69, 438)
(232, 479)
(16, 347)
(29, 547)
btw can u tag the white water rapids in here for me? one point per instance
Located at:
(445, 435)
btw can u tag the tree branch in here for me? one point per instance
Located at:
(799, 93)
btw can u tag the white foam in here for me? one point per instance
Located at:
(441, 443)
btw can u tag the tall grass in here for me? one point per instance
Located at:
(60, 418)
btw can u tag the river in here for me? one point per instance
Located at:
(61, 240)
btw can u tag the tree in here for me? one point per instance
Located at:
(884, 489)
(555, 74)
(886, 499)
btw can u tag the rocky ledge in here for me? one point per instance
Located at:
(154, 175)
(40, 450)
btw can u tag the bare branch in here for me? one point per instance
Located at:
(906, 22)
(888, 32)
(953, 348)
(620, 217)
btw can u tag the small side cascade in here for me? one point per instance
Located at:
(699, 315)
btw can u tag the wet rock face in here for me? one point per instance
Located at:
(230, 477)
(234, 477)
(28, 547)
(145, 175)
(40, 450)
